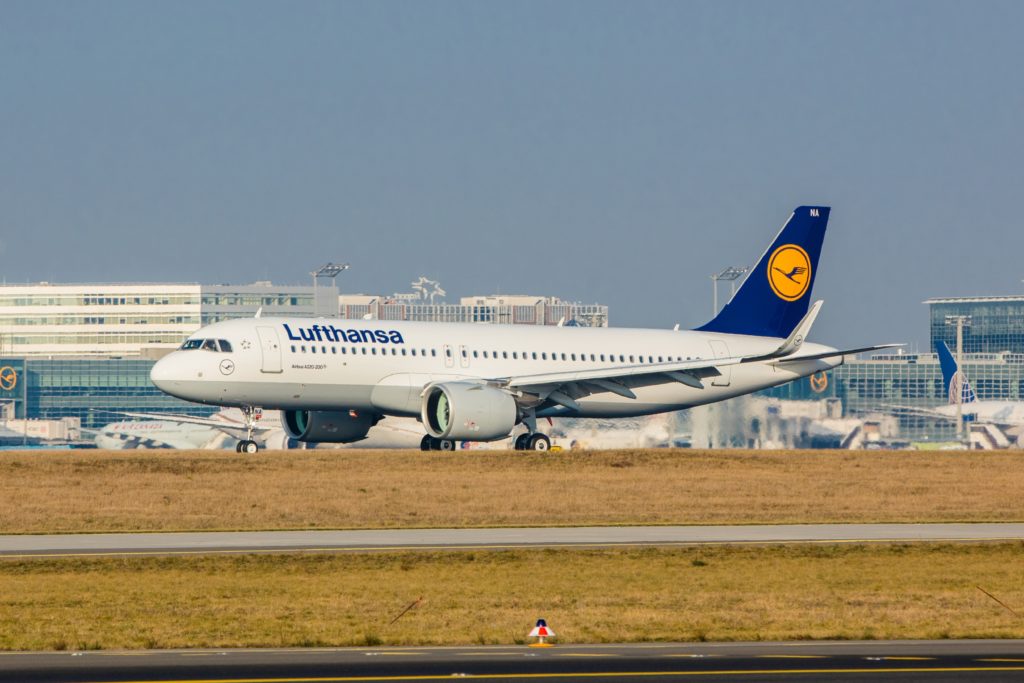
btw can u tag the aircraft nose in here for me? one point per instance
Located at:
(160, 374)
(170, 374)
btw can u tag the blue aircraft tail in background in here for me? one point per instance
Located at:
(953, 377)
(777, 292)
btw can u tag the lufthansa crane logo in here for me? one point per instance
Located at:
(227, 366)
(819, 382)
(8, 378)
(789, 272)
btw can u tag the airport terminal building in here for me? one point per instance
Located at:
(993, 338)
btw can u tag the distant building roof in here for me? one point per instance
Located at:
(973, 299)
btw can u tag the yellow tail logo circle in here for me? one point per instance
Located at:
(789, 272)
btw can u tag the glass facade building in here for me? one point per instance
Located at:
(95, 391)
(996, 323)
(886, 383)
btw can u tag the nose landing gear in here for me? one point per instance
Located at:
(247, 445)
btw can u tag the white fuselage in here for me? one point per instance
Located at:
(1002, 413)
(383, 366)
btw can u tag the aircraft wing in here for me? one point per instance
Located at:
(833, 354)
(706, 367)
(564, 388)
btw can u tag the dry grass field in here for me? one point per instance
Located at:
(915, 591)
(167, 490)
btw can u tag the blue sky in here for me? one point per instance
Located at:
(618, 152)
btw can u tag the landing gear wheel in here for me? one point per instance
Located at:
(445, 445)
(539, 442)
(427, 443)
(521, 441)
(247, 446)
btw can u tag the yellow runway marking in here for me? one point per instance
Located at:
(609, 674)
(1006, 659)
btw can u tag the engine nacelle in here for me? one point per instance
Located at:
(464, 411)
(327, 426)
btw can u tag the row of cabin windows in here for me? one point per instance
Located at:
(355, 350)
(504, 355)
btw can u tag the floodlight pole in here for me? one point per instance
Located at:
(960, 321)
(328, 271)
(730, 274)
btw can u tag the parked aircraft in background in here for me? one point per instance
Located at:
(335, 380)
(168, 430)
(1000, 413)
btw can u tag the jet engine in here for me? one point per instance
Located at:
(464, 411)
(327, 426)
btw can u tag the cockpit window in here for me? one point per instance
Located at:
(215, 345)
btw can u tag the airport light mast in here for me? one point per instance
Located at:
(730, 274)
(961, 321)
(328, 271)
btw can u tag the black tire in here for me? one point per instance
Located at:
(521, 441)
(445, 445)
(427, 443)
(250, 447)
(238, 447)
(539, 442)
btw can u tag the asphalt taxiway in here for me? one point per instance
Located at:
(807, 661)
(49, 545)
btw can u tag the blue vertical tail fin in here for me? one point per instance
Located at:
(953, 377)
(777, 291)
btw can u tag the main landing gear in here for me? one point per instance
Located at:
(533, 442)
(429, 443)
(247, 445)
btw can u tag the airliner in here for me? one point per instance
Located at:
(170, 430)
(334, 380)
(1001, 413)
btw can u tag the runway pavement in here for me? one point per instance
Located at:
(805, 661)
(434, 539)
